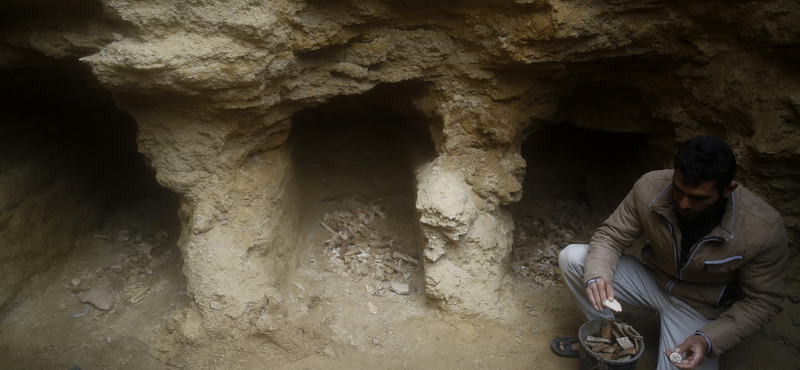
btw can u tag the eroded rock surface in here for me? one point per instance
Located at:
(214, 86)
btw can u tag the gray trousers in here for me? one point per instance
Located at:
(634, 285)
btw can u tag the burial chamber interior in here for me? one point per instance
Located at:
(79, 207)
(353, 165)
(575, 177)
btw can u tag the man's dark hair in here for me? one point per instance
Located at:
(705, 158)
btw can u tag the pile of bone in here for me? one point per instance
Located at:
(537, 243)
(143, 244)
(130, 277)
(355, 247)
(616, 341)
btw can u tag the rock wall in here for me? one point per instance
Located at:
(213, 87)
(67, 158)
(40, 189)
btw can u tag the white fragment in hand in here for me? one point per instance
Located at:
(675, 357)
(613, 304)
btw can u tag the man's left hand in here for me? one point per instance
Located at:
(694, 347)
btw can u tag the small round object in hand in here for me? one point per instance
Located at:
(675, 357)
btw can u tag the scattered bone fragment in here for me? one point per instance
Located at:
(358, 248)
(81, 312)
(393, 266)
(539, 239)
(400, 288)
(406, 258)
(330, 230)
(144, 248)
(75, 282)
(379, 212)
(103, 237)
(613, 304)
(162, 236)
(100, 298)
(138, 295)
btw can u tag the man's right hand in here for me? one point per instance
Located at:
(598, 291)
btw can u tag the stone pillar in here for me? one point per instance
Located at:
(461, 197)
(233, 177)
(466, 247)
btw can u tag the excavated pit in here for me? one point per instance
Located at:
(354, 164)
(575, 178)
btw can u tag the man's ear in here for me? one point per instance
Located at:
(729, 189)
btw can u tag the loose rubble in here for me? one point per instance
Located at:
(357, 248)
(100, 298)
(538, 240)
(616, 341)
(131, 274)
(81, 312)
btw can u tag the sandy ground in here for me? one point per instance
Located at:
(343, 325)
(346, 325)
(332, 319)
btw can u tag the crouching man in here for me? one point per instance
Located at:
(713, 268)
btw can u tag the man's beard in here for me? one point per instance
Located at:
(705, 214)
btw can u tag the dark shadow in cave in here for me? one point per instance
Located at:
(574, 179)
(354, 150)
(591, 168)
(69, 160)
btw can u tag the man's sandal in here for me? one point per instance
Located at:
(563, 346)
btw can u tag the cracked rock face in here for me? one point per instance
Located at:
(214, 88)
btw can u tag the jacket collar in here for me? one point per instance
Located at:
(663, 205)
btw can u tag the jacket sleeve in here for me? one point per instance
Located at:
(761, 281)
(617, 233)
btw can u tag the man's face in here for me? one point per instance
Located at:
(695, 202)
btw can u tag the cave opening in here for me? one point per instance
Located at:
(575, 178)
(354, 161)
(80, 210)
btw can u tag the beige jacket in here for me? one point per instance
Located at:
(746, 253)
